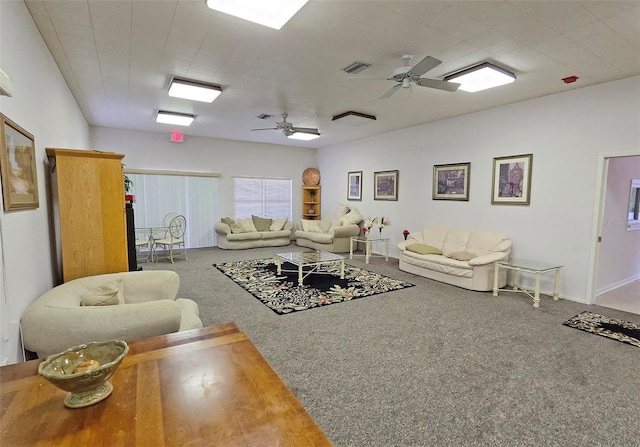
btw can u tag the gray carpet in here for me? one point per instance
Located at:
(435, 365)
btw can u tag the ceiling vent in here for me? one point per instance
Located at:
(354, 118)
(356, 67)
(264, 116)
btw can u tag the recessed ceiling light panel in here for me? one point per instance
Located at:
(271, 13)
(193, 90)
(179, 119)
(305, 136)
(481, 77)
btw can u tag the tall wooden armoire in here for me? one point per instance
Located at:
(88, 212)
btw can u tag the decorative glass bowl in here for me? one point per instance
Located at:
(83, 371)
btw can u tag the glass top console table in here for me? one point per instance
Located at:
(537, 268)
(311, 260)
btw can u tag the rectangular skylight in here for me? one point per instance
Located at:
(179, 119)
(193, 90)
(271, 13)
(481, 77)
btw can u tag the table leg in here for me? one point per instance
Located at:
(279, 265)
(342, 269)
(515, 279)
(300, 275)
(386, 258)
(495, 279)
(351, 248)
(536, 296)
(556, 286)
(367, 249)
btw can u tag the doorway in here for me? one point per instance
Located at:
(616, 273)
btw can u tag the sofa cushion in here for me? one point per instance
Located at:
(352, 217)
(247, 224)
(325, 224)
(108, 294)
(311, 226)
(342, 210)
(275, 234)
(261, 223)
(278, 224)
(462, 255)
(424, 249)
(320, 238)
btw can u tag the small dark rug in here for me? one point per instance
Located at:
(282, 294)
(620, 330)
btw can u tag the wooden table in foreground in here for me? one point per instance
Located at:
(205, 387)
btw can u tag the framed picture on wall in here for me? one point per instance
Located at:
(18, 167)
(354, 185)
(385, 185)
(512, 180)
(451, 182)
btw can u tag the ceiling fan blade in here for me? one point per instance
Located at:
(425, 65)
(391, 91)
(437, 84)
(268, 128)
(305, 129)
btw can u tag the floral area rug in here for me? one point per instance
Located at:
(282, 294)
(620, 330)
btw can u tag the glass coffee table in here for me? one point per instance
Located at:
(537, 268)
(368, 242)
(311, 260)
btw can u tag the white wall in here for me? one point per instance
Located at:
(148, 150)
(619, 259)
(43, 105)
(565, 133)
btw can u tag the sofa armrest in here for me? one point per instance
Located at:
(222, 228)
(489, 258)
(402, 245)
(350, 230)
(47, 330)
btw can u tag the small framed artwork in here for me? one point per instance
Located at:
(18, 167)
(512, 180)
(385, 185)
(451, 182)
(354, 185)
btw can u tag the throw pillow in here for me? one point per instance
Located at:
(423, 249)
(462, 255)
(325, 224)
(227, 220)
(247, 224)
(108, 294)
(310, 226)
(278, 224)
(342, 210)
(234, 225)
(261, 223)
(334, 224)
(352, 217)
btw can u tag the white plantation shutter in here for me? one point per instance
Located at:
(264, 197)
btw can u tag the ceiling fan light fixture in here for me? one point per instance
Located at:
(178, 119)
(304, 136)
(481, 77)
(193, 90)
(271, 13)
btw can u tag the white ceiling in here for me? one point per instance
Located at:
(118, 57)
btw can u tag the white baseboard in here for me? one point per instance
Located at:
(615, 285)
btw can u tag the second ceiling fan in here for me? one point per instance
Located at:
(291, 131)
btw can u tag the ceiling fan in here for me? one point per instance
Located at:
(291, 131)
(406, 76)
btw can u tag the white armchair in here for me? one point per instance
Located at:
(57, 320)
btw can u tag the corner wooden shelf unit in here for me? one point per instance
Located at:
(311, 202)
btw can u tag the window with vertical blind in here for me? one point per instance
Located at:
(264, 197)
(194, 196)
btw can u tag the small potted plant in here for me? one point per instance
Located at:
(405, 233)
(128, 183)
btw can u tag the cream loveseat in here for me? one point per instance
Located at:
(144, 305)
(252, 232)
(456, 256)
(330, 234)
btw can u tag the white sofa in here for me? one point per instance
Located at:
(56, 320)
(476, 251)
(331, 233)
(238, 234)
